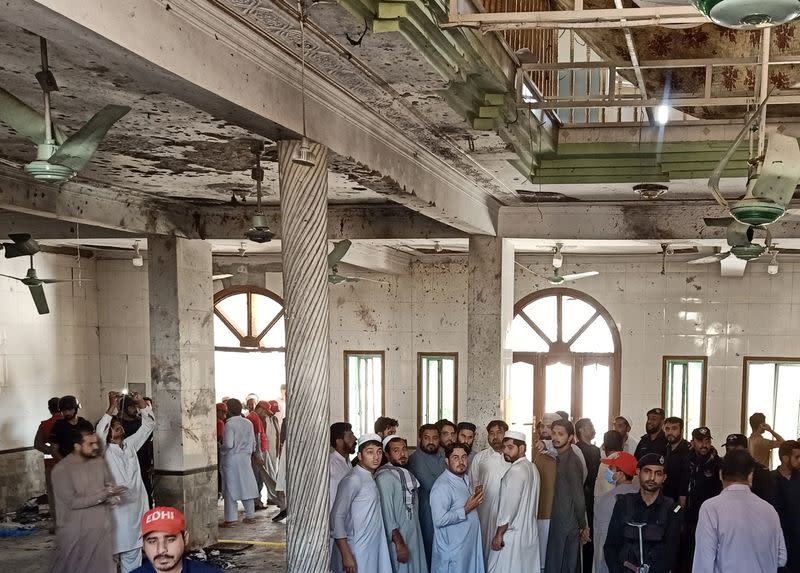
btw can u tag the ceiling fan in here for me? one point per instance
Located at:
(558, 261)
(24, 245)
(340, 249)
(58, 157)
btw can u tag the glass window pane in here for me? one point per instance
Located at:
(596, 388)
(448, 388)
(520, 399)
(223, 335)
(787, 405)
(544, 313)
(239, 373)
(675, 372)
(760, 388)
(264, 310)
(575, 313)
(596, 338)
(558, 387)
(694, 395)
(524, 338)
(364, 391)
(235, 310)
(276, 336)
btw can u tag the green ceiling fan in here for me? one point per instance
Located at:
(58, 157)
(24, 245)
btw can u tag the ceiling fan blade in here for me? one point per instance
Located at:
(54, 281)
(534, 273)
(732, 267)
(716, 175)
(78, 149)
(23, 246)
(352, 279)
(10, 277)
(780, 171)
(221, 277)
(25, 120)
(37, 292)
(339, 250)
(710, 259)
(577, 276)
(718, 221)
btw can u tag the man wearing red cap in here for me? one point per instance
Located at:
(165, 537)
(269, 467)
(620, 469)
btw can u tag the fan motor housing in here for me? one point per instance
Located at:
(757, 211)
(747, 252)
(749, 14)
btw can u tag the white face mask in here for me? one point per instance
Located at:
(610, 476)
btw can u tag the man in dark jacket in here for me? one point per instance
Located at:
(677, 461)
(654, 441)
(763, 481)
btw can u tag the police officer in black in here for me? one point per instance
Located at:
(677, 461)
(645, 527)
(704, 483)
(654, 441)
(764, 485)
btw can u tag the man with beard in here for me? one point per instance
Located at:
(269, 468)
(165, 538)
(41, 442)
(763, 481)
(457, 545)
(63, 429)
(568, 527)
(787, 481)
(486, 471)
(515, 546)
(465, 434)
(427, 464)
(644, 530)
(447, 433)
(343, 445)
(703, 483)
(400, 508)
(238, 480)
(654, 441)
(121, 455)
(131, 421)
(545, 461)
(84, 492)
(257, 459)
(621, 469)
(623, 426)
(591, 453)
(356, 519)
(386, 426)
(676, 461)
(736, 530)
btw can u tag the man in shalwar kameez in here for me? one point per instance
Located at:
(515, 546)
(427, 464)
(356, 519)
(238, 481)
(487, 469)
(84, 493)
(457, 543)
(400, 508)
(123, 461)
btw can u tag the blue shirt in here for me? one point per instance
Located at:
(189, 566)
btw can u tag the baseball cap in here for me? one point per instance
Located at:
(656, 411)
(651, 459)
(367, 438)
(222, 406)
(701, 433)
(164, 520)
(514, 435)
(734, 440)
(263, 404)
(622, 460)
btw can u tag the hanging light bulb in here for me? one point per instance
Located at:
(259, 231)
(137, 259)
(772, 268)
(558, 258)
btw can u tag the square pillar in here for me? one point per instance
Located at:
(182, 373)
(490, 309)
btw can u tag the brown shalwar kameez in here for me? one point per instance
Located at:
(84, 528)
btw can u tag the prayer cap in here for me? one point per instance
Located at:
(391, 437)
(513, 435)
(367, 438)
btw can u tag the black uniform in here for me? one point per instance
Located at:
(591, 454)
(61, 435)
(661, 534)
(647, 445)
(787, 497)
(676, 467)
(704, 483)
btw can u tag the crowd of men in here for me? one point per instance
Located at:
(556, 502)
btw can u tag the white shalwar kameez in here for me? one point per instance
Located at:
(457, 543)
(124, 465)
(356, 516)
(519, 501)
(487, 469)
(238, 480)
(339, 467)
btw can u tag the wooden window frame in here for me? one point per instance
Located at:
(251, 336)
(420, 356)
(745, 422)
(703, 387)
(347, 354)
(540, 360)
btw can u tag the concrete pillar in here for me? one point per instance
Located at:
(490, 309)
(304, 249)
(182, 373)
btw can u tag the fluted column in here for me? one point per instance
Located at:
(303, 193)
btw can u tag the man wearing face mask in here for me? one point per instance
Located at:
(620, 469)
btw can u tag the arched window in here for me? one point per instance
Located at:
(566, 357)
(249, 342)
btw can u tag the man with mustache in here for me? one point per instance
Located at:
(486, 470)
(645, 526)
(654, 440)
(427, 464)
(165, 538)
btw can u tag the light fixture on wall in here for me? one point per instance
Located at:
(772, 267)
(558, 258)
(304, 155)
(137, 259)
(437, 247)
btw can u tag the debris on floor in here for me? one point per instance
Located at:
(15, 529)
(213, 558)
